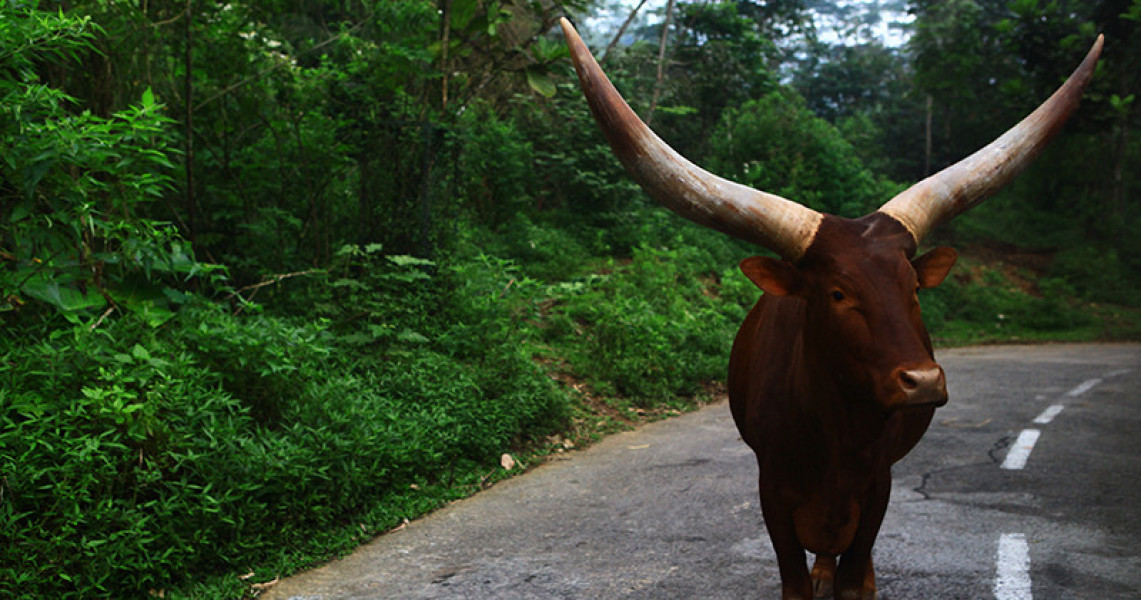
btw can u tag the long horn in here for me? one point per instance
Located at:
(754, 216)
(968, 182)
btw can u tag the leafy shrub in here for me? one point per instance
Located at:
(993, 307)
(1097, 274)
(496, 168)
(655, 328)
(775, 144)
(545, 250)
(134, 456)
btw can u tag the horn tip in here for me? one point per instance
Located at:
(568, 29)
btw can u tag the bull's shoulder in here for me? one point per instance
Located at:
(769, 335)
(761, 362)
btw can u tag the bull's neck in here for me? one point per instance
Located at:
(845, 418)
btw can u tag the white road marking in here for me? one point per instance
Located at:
(1013, 580)
(1049, 414)
(1020, 452)
(1084, 387)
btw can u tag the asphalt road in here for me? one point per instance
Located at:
(670, 511)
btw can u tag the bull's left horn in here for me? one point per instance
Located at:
(754, 216)
(949, 192)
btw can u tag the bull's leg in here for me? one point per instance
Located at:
(855, 578)
(794, 580)
(869, 591)
(823, 571)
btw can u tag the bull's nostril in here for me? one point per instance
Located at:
(922, 385)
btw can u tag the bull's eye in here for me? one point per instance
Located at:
(837, 295)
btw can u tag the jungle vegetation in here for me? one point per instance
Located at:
(277, 275)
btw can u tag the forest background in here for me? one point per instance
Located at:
(276, 276)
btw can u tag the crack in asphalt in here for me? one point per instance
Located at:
(921, 489)
(1001, 444)
(993, 454)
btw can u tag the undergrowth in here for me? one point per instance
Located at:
(141, 459)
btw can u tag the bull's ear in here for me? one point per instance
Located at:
(775, 277)
(932, 267)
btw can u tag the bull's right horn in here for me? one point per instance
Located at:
(780, 225)
(942, 196)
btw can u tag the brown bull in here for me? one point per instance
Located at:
(832, 377)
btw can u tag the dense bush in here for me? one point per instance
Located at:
(157, 427)
(133, 455)
(979, 303)
(1098, 274)
(775, 144)
(653, 329)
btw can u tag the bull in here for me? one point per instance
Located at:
(832, 376)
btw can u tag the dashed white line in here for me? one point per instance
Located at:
(1049, 414)
(1084, 387)
(1013, 579)
(1020, 452)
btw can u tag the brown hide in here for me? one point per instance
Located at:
(832, 377)
(822, 399)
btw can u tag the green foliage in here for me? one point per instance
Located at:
(547, 250)
(981, 303)
(417, 195)
(720, 58)
(496, 171)
(1098, 274)
(653, 329)
(775, 144)
(133, 456)
(74, 188)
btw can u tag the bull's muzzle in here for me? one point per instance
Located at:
(922, 387)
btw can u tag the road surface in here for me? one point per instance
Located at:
(980, 509)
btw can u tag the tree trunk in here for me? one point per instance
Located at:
(661, 62)
(927, 151)
(191, 203)
(621, 30)
(429, 133)
(445, 37)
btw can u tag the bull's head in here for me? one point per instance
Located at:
(857, 277)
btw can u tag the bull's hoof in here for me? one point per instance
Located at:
(823, 572)
(822, 589)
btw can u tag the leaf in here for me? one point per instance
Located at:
(462, 13)
(148, 98)
(677, 110)
(35, 173)
(64, 298)
(541, 83)
(154, 315)
(411, 336)
(403, 260)
(140, 353)
(1119, 104)
(175, 296)
(19, 212)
